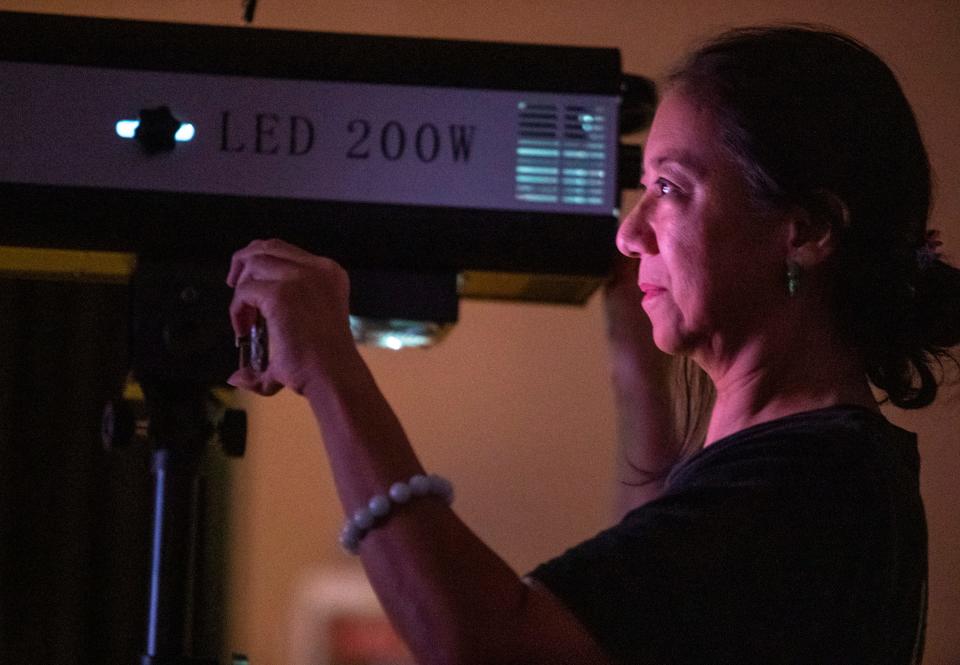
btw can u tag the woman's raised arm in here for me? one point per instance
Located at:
(451, 598)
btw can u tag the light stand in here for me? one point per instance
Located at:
(181, 351)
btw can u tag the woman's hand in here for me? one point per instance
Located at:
(304, 300)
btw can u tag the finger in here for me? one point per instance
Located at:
(243, 315)
(244, 378)
(240, 257)
(266, 267)
(251, 297)
(275, 248)
(284, 250)
(261, 265)
(237, 261)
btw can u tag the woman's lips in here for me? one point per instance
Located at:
(651, 290)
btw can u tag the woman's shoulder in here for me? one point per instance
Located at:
(803, 446)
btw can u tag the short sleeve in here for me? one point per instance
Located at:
(645, 587)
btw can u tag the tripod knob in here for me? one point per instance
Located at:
(122, 423)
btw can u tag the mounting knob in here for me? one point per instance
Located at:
(157, 130)
(123, 422)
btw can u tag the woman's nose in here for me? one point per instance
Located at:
(635, 236)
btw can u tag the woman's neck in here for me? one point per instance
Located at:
(789, 368)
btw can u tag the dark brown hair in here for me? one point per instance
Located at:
(817, 120)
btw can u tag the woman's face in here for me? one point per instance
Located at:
(711, 266)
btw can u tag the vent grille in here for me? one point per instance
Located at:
(561, 154)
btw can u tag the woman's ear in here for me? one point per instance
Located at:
(815, 228)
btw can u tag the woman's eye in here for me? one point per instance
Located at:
(665, 187)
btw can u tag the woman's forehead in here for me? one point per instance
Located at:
(683, 133)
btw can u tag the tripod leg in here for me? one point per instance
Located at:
(171, 554)
(180, 430)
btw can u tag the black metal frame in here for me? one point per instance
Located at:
(415, 238)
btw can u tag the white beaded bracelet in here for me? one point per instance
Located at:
(375, 512)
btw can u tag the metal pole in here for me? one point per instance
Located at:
(180, 429)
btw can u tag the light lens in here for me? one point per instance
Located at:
(397, 334)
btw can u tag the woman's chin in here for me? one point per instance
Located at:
(672, 340)
(667, 341)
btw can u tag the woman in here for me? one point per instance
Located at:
(783, 247)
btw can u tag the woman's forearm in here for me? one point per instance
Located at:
(451, 598)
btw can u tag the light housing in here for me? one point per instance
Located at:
(493, 164)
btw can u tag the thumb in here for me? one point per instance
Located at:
(246, 379)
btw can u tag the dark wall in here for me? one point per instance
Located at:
(74, 519)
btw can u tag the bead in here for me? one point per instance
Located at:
(350, 537)
(442, 487)
(350, 531)
(351, 545)
(363, 518)
(400, 492)
(379, 505)
(419, 485)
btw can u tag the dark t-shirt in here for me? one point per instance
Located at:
(800, 540)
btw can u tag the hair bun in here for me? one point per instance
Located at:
(938, 305)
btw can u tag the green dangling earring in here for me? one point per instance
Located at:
(793, 277)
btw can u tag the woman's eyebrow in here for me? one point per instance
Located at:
(682, 158)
